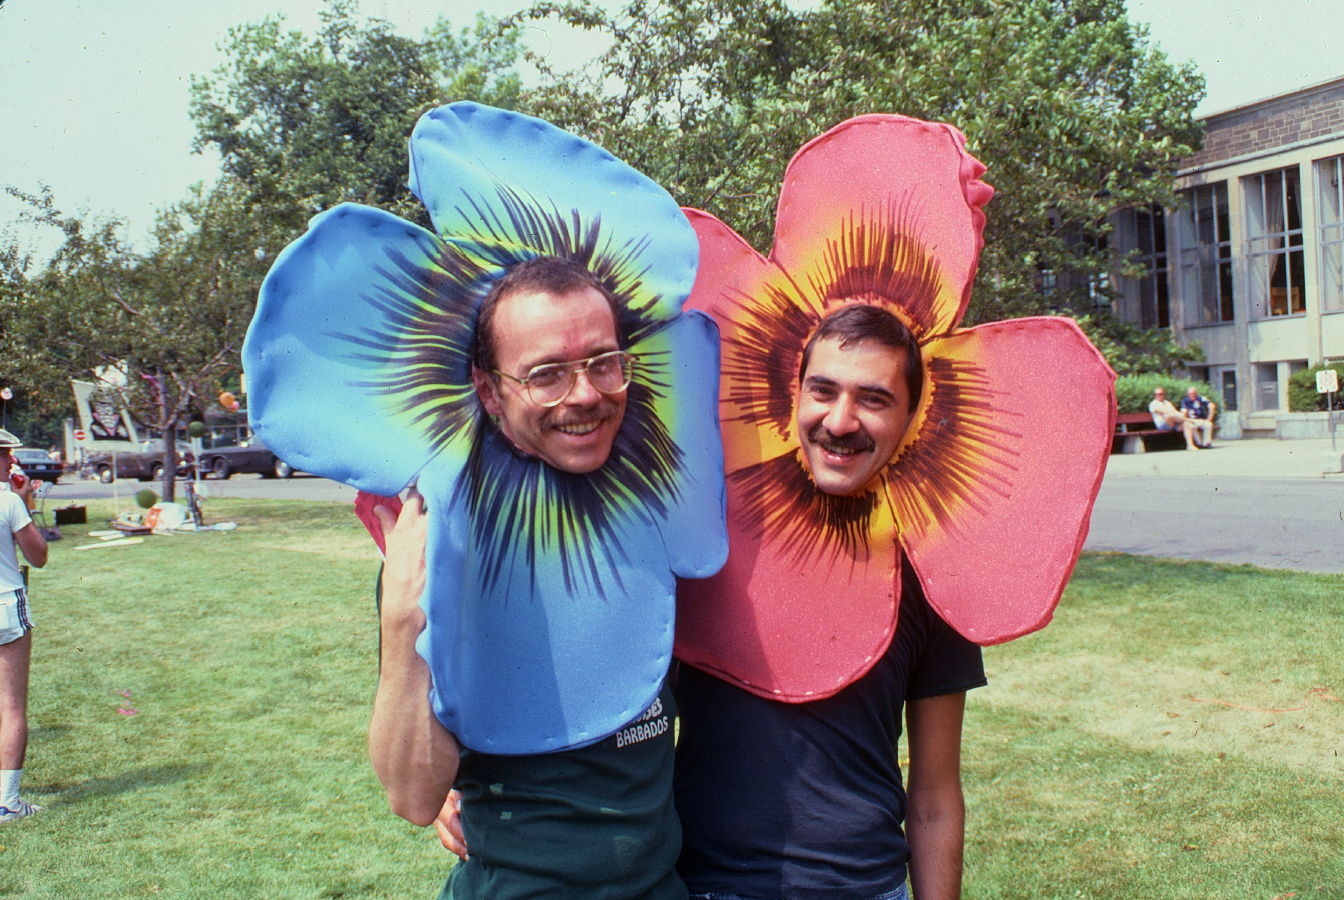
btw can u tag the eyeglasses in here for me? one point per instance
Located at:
(550, 384)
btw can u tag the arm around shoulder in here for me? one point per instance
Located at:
(936, 823)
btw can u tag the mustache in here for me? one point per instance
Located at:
(857, 441)
(601, 411)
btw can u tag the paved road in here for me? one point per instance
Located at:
(1263, 502)
(300, 487)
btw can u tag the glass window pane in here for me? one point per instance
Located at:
(1255, 205)
(1329, 199)
(1229, 387)
(1225, 290)
(1266, 386)
(1332, 277)
(1220, 194)
(1296, 295)
(1291, 201)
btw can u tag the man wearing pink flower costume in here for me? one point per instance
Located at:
(897, 494)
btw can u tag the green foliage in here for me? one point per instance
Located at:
(158, 328)
(1065, 101)
(1302, 393)
(303, 123)
(1132, 350)
(1133, 393)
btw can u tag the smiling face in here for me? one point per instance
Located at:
(853, 409)
(532, 328)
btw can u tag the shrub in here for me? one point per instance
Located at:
(1132, 350)
(1302, 394)
(1133, 393)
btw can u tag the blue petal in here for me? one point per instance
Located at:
(465, 157)
(530, 653)
(526, 664)
(322, 334)
(697, 541)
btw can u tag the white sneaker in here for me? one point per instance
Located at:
(8, 814)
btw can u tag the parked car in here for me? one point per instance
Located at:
(250, 456)
(145, 462)
(37, 464)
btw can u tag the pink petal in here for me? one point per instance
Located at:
(995, 494)
(876, 161)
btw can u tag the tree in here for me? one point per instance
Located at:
(159, 328)
(303, 123)
(1074, 113)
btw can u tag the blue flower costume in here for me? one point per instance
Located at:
(550, 595)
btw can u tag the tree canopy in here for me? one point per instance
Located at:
(1074, 112)
(1076, 115)
(302, 123)
(158, 328)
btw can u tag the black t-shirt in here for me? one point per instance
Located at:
(806, 800)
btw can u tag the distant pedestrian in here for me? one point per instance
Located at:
(1200, 410)
(16, 630)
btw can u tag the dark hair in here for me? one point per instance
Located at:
(546, 274)
(860, 323)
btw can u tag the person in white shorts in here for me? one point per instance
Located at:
(16, 624)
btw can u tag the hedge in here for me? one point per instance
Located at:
(1302, 395)
(1133, 393)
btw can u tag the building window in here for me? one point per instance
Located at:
(1047, 283)
(1099, 283)
(1266, 386)
(1229, 388)
(1150, 239)
(1330, 178)
(1274, 224)
(1206, 255)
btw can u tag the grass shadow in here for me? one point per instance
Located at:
(133, 780)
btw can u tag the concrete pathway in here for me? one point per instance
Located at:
(1270, 503)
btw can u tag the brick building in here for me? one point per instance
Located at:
(1251, 265)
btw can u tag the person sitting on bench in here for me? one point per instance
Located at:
(1167, 417)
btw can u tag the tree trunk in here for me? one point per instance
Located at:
(168, 421)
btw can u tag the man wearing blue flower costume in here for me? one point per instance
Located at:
(529, 371)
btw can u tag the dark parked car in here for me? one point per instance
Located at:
(144, 462)
(250, 456)
(37, 464)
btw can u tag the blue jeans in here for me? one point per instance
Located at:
(898, 894)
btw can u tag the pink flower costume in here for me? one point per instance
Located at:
(990, 490)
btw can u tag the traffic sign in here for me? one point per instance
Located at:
(79, 434)
(1327, 381)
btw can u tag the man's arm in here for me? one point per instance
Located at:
(34, 546)
(936, 823)
(414, 756)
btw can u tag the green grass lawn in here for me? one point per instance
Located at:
(1177, 732)
(1131, 750)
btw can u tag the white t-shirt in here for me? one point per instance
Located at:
(14, 516)
(1160, 410)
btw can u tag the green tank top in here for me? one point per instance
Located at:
(597, 823)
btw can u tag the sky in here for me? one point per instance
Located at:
(94, 94)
